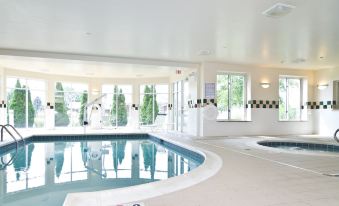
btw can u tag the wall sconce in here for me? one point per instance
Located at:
(265, 85)
(322, 86)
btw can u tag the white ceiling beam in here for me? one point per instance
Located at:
(97, 58)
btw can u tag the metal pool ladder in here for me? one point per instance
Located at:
(4, 164)
(335, 135)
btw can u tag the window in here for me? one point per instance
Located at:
(26, 99)
(69, 98)
(290, 98)
(153, 104)
(177, 105)
(231, 96)
(116, 105)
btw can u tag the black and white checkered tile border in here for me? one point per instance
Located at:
(3, 104)
(200, 103)
(263, 104)
(49, 106)
(319, 105)
(135, 107)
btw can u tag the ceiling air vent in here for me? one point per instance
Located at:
(278, 10)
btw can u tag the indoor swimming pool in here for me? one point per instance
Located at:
(47, 168)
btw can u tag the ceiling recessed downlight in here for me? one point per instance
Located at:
(278, 10)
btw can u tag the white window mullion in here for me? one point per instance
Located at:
(287, 99)
(229, 97)
(26, 108)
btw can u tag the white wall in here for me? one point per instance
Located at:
(263, 121)
(326, 120)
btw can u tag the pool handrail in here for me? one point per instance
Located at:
(14, 129)
(4, 165)
(335, 135)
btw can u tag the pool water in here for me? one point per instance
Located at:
(44, 172)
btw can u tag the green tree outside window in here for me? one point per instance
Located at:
(61, 117)
(119, 108)
(18, 104)
(150, 108)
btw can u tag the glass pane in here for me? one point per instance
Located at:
(294, 99)
(116, 104)
(175, 87)
(107, 105)
(61, 108)
(237, 97)
(69, 104)
(126, 89)
(161, 106)
(146, 109)
(38, 100)
(12, 82)
(222, 96)
(185, 106)
(120, 112)
(16, 99)
(282, 99)
(79, 87)
(107, 89)
(175, 109)
(146, 89)
(161, 89)
(36, 84)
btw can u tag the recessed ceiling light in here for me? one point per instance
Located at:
(204, 52)
(278, 10)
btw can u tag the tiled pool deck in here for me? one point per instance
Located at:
(252, 175)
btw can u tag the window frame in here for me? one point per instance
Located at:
(117, 97)
(26, 80)
(71, 83)
(302, 98)
(154, 94)
(229, 108)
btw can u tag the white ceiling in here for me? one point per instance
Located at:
(176, 30)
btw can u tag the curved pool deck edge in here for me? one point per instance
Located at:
(207, 169)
